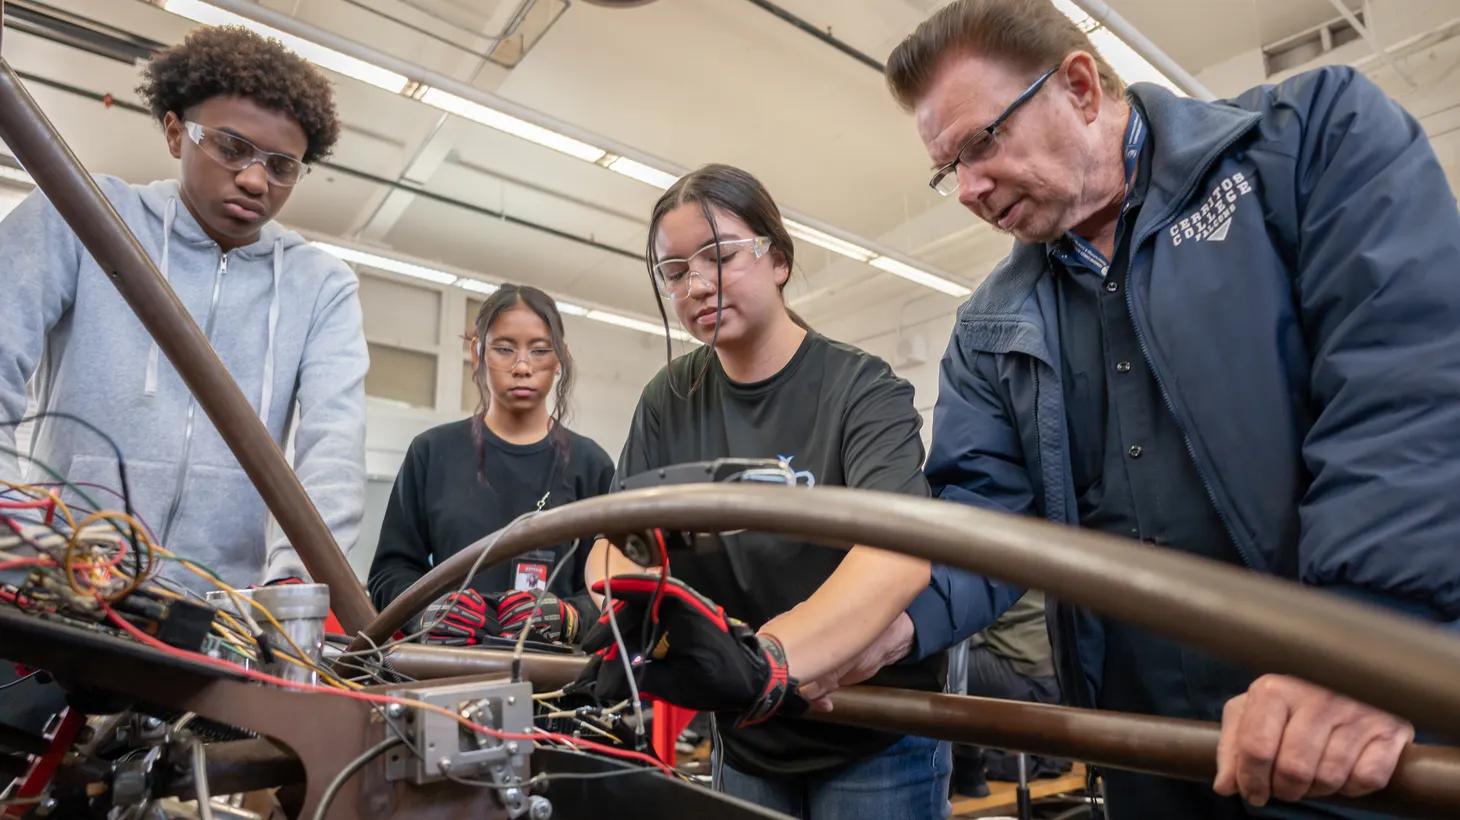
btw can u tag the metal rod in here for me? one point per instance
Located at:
(547, 672)
(45, 155)
(1426, 783)
(1102, 13)
(1372, 39)
(1393, 661)
(824, 36)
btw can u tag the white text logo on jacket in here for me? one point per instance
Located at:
(1213, 219)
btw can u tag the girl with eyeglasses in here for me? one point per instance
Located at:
(739, 630)
(466, 479)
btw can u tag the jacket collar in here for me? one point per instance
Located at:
(1186, 136)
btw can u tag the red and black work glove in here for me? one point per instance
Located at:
(556, 619)
(702, 659)
(469, 620)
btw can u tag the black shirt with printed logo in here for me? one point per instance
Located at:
(441, 504)
(834, 412)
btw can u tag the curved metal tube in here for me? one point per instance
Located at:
(1392, 661)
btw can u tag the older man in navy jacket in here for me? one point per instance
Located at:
(1231, 329)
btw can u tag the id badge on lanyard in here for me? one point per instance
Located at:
(530, 571)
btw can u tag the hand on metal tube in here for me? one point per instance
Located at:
(1288, 739)
(890, 647)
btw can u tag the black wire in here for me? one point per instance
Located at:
(121, 474)
(333, 789)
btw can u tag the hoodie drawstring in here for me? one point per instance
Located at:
(168, 215)
(268, 395)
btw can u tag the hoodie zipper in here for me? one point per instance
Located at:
(182, 464)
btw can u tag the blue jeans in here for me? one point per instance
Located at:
(907, 781)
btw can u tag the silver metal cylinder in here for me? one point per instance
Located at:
(301, 609)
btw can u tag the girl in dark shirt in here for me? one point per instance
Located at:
(464, 480)
(764, 386)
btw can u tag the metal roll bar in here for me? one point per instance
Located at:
(1395, 662)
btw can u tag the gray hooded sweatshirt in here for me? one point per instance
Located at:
(283, 316)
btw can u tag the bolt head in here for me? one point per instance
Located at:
(394, 710)
(511, 795)
(511, 700)
(512, 748)
(541, 809)
(444, 765)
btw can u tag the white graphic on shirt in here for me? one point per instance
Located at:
(1213, 220)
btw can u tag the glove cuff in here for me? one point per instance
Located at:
(779, 683)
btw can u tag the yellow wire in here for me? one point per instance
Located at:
(44, 492)
(239, 599)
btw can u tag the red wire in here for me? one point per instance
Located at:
(364, 696)
(33, 504)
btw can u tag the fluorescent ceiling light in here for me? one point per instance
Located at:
(570, 309)
(919, 276)
(319, 55)
(1132, 67)
(371, 260)
(509, 124)
(637, 324)
(828, 241)
(476, 285)
(15, 175)
(643, 173)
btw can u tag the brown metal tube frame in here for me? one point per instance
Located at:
(43, 153)
(1426, 784)
(1395, 662)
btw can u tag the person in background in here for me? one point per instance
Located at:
(245, 118)
(778, 609)
(464, 480)
(1010, 660)
(1243, 319)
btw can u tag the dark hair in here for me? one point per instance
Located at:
(505, 298)
(733, 191)
(1031, 35)
(229, 61)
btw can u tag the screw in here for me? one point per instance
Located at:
(541, 808)
(394, 711)
(511, 700)
(444, 764)
(512, 795)
(512, 748)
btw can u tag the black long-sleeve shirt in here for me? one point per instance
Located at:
(440, 505)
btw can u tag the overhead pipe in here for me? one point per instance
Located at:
(75, 195)
(424, 76)
(1101, 12)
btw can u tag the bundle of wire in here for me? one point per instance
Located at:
(81, 560)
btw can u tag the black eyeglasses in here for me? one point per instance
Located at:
(981, 144)
(236, 154)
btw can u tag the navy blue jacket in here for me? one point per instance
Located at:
(1295, 284)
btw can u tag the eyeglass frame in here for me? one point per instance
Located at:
(759, 246)
(196, 131)
(518, 357)
(988, 133)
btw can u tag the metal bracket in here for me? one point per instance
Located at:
(443, 749)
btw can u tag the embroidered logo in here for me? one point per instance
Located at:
(1213, 220)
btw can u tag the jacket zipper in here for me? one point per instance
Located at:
(1130, 308)
(182, 464)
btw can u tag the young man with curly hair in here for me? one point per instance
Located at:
(244, 116)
